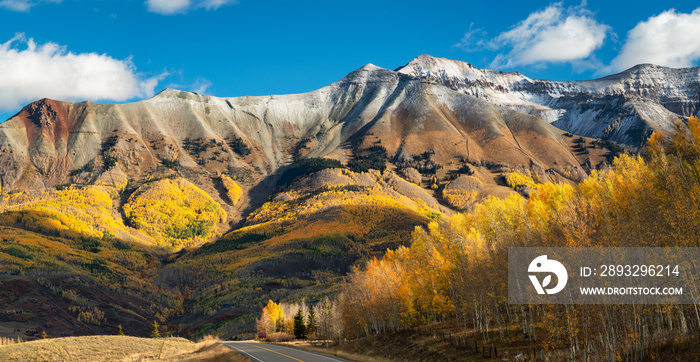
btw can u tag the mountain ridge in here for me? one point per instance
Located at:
(49, 140)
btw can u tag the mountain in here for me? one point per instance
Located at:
(625, 108)
(198, 209)
(428, 99)
(51, 142)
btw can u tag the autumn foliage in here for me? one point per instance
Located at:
(462, 192)
(233, 191)
(454, 269)
(286, 321)
(174, 211)
(272, 320)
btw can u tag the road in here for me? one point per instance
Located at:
(263, 352)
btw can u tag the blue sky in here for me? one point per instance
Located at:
(125, 50)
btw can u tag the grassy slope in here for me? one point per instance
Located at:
(118, 348)
(65, 272)
(58, 285)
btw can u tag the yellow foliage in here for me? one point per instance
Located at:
(462, 192)
(272, 320)
(656, 144)
(69, 212)
(233, 191)
(338, 196)
(694, 127)
(454, 269)
(174, 211)
(547, 200)
(91, 315)
(460, 199)
(516, 178)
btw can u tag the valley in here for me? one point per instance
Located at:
(194, 211)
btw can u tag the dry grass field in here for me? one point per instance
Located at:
(118, 348)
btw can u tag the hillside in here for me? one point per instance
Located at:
(450, 284)
(119, 348)
(69, 287)
(195, 210)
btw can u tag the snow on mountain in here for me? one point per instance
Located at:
(624, 107)
(449, 107)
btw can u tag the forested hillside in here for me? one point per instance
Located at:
(387, 199)
(454, 269)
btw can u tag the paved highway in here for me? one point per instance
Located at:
(263, 352)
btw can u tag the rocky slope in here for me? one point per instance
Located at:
(51, 142)
(624, 108)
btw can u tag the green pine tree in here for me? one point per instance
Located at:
(155, 333)
(311, 322)
(299, 326)
(119, 330)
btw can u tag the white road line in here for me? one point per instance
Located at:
(246, 353)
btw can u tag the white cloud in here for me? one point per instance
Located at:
(473, 40)
(29, 71)
(171, 7)
(215, 4)
(167, 7)
(201, 86)
(23, 5)
(552, 35)
(670, 38)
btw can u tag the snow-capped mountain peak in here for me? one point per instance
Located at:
(623, 107)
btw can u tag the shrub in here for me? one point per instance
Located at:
(373, 158)
(462, 192)
(366, 163)
(429, 168)
(88, 168)
(108, 143)
(110, 161)
(306, 166)
(233, 191)
(171, 164)
(155, 332)
(238, 145)
(280, 337)
(615, 150)
(515, 179)
(465, 170)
